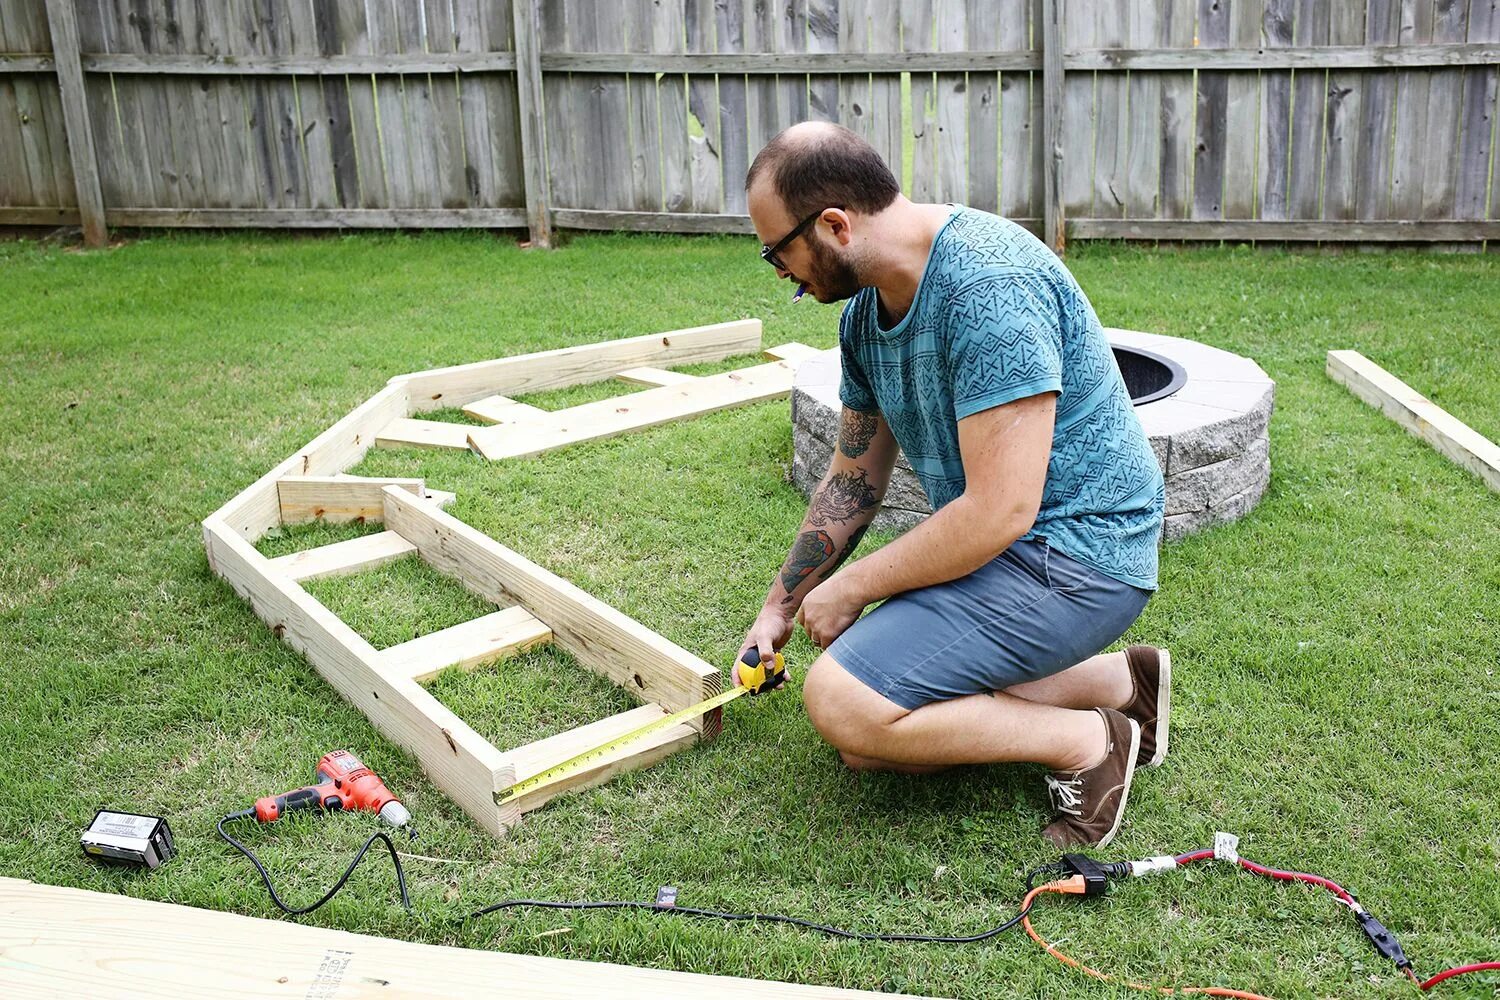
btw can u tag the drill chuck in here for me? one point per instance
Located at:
(395, 814)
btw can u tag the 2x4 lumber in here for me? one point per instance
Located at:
(257, 509)
(343, 558)
(501, 410)
(648, 408)
(653, 376)
(1417, 414)
(506, 632)
(405, 432)
(534, 758)
(603, 639)
(57, 941)
(791, 351)
(458, 760)
(461, 384)
(337, 499)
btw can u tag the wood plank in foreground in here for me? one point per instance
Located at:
(1419, 415)
(342, 558)
(58, 942)
(468, 644)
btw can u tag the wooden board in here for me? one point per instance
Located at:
(405, 432)
(648, 408)
(461, 384)
(343, 558)
(501, 410)
(653, 376)
(598, 636)
(458, 760)
(72, 942)
(337, 499)
(471, 644)
(1419, 415)
(534, 758)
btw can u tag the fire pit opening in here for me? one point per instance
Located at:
(1148, 376)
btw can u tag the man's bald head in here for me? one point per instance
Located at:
(815, 165)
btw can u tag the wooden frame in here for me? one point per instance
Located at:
(57, 941)
(1417, 414)
(534, 605)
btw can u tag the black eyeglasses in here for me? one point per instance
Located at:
(771, 254)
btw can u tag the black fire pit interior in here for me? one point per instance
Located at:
(1148, 376)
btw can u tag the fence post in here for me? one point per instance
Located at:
(529, 104)
(1052, 123)
(63, 21)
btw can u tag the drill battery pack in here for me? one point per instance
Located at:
(128, 839)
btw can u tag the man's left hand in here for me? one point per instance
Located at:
(828, 610)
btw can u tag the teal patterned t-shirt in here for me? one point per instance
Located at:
(998, 318)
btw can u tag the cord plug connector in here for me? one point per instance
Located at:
(1384, 941)
(1095, 877)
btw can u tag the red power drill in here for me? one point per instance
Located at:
(344, 783)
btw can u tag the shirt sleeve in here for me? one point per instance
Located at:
(1004, 341)
(854, 387)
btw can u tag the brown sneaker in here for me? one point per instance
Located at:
(1091, 803)
(1151, 700)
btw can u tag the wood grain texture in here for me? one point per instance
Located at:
(495, 636)
(79, 943)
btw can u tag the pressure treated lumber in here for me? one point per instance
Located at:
(506, 632)
(337, 499)
(458, 760)
(75, 943)
(791, 351)
(501, 410)
(648, 408)
(653, 376)
(598, 636)
(257, 509)
(534, 758)
(461, 384)
(343, 558)
(1419, 415)
(404, 432)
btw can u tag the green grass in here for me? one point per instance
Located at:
(1337, 698)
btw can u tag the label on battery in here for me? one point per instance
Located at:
(123, 825)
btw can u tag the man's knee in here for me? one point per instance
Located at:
(846, 713)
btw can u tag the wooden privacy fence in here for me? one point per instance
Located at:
(1363, 120)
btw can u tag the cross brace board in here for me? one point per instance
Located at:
(536, 605)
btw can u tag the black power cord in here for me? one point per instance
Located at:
(777, 918)
(359, 856)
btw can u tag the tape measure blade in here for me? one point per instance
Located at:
(598, 756)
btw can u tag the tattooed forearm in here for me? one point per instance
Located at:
(845, 552)
(844, 497)
(809, 551)
(856, 432)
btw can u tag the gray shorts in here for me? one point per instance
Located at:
(1028, 613)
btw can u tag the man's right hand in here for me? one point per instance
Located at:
(771, 631)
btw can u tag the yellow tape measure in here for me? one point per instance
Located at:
(757, 677)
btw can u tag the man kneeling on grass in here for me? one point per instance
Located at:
(969, 345)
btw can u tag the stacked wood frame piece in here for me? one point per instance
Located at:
(535, 606)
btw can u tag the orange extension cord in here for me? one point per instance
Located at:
(1074, 886)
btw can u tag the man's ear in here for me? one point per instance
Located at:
(839, 224)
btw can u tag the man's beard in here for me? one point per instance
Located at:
(833, 278)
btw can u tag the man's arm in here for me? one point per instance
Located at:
(838, 515)
(1005, 451)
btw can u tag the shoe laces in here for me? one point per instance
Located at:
(1066, 794)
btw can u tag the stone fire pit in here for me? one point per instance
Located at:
(1206, 411)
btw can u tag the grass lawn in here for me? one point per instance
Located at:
(1336, 651)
